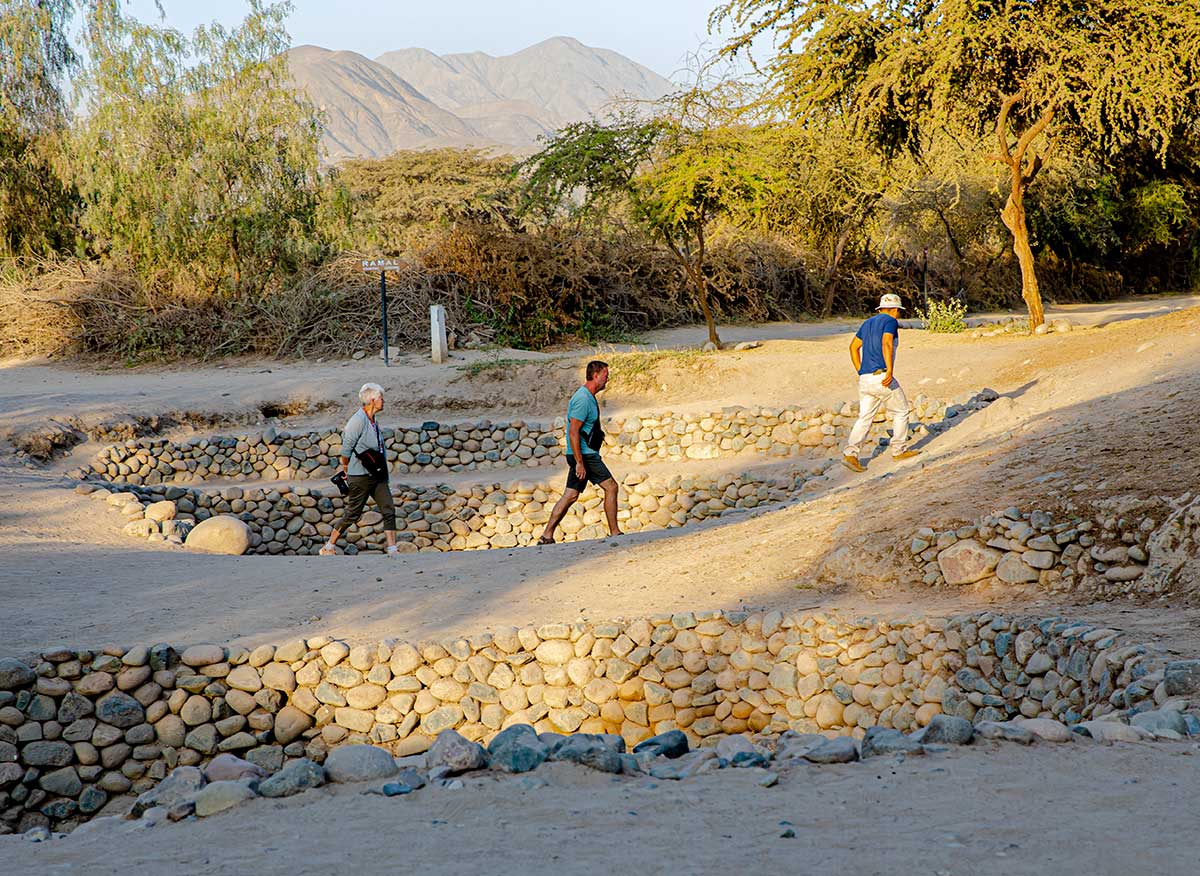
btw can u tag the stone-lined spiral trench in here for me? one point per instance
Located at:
(157, 485)
(81, 728)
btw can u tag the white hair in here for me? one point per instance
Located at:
(370, 392)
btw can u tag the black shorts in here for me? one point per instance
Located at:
(597, 473)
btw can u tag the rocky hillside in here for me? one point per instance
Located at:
(415, 99)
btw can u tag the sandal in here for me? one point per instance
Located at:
(544, 540)
(328, 551)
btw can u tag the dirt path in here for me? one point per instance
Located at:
(800, 363)
(1141, 307)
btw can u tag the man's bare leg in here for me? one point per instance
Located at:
(556, 515)
(610, 505)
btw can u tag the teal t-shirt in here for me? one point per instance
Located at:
(583, 407)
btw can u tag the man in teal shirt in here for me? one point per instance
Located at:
(584, 465)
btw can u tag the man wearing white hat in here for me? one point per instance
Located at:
(873, 352)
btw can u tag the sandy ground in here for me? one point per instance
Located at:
(1074, 808)
(799, 363)
(1094, 414)
(1078, 314)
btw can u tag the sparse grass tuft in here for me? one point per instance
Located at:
(474, 369)
(639, 369)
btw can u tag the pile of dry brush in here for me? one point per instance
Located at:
(528, 290)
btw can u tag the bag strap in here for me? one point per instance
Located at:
(596, 425)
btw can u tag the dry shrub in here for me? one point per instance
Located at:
(526, 290)
(756, 277)
(62, 307)
(563, 283)
(542, 288)
(1076, 281)
(72, 308)
(75, 307)
(335, 309)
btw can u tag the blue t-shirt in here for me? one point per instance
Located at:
(583, 407)
(871, 334)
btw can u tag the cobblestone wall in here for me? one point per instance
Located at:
(444, 447)
(439, 517)
(81, 726)
(1106, 554)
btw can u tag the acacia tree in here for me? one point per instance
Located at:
(1093, 79)
(825, 187)
(396, 203)
(698, 178)
(672, 178)
(585, 172)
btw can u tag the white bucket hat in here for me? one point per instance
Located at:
(891, 299)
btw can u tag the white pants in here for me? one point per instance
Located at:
(871, 394)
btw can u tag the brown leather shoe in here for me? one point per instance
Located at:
(907, 454)
(852, 463)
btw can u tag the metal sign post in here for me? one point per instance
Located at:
(383, 314)
(382, 266)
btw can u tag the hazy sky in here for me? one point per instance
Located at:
(656, 33)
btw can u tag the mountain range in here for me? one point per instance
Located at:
(415, 99)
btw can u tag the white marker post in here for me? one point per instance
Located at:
(381, 267)
(437, 333)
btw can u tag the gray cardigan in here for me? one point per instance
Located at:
(359, 435)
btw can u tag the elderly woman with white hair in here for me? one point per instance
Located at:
(364, 467)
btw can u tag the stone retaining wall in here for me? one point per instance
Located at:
(58, 436)
(272, 455)
(1106, 554)
(80, 727)
(441, 518)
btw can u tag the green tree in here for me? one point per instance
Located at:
(586, 170)
(197, 156)
(1036, 76)
(674, 182)
(699, 178)
(945, 205)
(396, 203)
(1158, 211)
(825, 188)
(36, 207)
